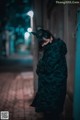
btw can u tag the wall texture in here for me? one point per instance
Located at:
(61, 21)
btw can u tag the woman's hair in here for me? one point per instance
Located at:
(41, 33)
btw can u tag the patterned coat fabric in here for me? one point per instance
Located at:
(52, 78)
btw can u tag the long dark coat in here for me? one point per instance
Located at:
(52, 78)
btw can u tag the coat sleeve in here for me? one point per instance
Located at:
(46, 64)
(40, 67)
(57, 52)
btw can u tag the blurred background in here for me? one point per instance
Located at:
(19, 52)
(15, 28)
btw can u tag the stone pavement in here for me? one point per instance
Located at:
(16, 95)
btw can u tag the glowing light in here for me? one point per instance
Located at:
(26, 35)
(30, 13)
(29, 30)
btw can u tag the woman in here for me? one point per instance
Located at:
(52, 76)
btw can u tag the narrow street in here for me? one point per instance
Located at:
(16, 94)
(16, 63)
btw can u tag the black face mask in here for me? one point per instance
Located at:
(40, 46)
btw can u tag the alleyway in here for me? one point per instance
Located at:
(16, 93)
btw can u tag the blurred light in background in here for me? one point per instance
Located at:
(29, 30)
(26, 35)
(30, 13)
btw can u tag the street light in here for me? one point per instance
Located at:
(26, 35)
(29, 30)
(30, 13)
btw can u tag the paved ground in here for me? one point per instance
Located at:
(16, 94)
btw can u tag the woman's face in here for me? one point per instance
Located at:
(44, 42)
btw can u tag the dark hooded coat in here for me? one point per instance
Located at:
(52, 78)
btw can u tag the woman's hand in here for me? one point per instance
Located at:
(46, 41)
